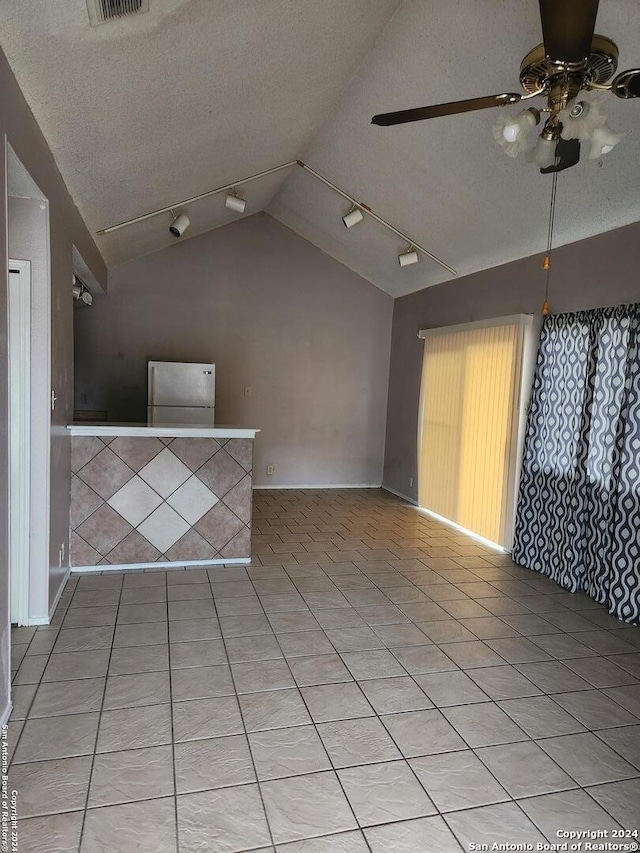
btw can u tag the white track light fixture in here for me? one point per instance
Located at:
(80, 291)
(405, 259)
(352, 218)
(359, 211)
(179, 225)
(234, 202)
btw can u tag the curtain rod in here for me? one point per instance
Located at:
(271, 171)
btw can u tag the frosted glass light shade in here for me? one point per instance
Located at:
(511, 132)
(603, 140)
(544, 154)
(582, 126)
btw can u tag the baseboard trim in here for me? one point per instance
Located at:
(52, 608)
(500, 549)
(321, 486)
(404, 497)
(235, 561)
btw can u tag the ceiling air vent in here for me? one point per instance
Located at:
(102, 11)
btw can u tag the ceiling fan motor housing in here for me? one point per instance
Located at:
(565, 80)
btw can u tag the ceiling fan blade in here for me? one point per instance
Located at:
(627, 84)
(452, 108)
(567, 28)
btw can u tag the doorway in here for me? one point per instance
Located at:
(471, 417)
(19, 346)
(29, 351)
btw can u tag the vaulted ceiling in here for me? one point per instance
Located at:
(193, 94)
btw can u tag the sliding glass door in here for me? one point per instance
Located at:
(467, 445)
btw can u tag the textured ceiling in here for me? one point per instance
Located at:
(154, 108)
(192, 95)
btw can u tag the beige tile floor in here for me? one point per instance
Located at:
(374, 681)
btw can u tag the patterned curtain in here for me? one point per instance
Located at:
(578, 516)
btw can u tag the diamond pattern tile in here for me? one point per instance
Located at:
(219, 526)
(150, 516)
(193, 499)
(194, 452)
(136, 452)
(239, 499)
(192, 546)
(106, 473)
(135, 501)
(165, 473)
(84, 501)
(221, 473)
(83, 449)
(104, 529)
(242, 451)
(163, 527)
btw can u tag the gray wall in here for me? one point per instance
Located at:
(592, 273)
(66, 228)
(310, 337)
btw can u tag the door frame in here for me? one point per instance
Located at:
(19, 348)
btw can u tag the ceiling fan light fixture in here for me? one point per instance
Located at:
(511, 132)
(581, 119)
(603, 140)
(544, 153)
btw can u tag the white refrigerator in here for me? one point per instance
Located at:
(181, 393)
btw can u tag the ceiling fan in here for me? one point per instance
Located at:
(571, 60)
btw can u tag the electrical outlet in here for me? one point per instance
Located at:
(270, 469)
(247, 390)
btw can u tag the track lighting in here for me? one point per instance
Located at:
(352, 218)
(407, 258)
(234, 202)
(80, 291)
(179, 225)
(511, 132)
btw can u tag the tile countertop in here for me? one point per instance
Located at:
(162, 430)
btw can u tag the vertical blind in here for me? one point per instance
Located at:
(469, 398)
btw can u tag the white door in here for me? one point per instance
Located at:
(19, 438)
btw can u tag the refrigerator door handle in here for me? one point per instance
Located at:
(152, 398)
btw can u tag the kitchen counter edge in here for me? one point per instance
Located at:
(176, 431)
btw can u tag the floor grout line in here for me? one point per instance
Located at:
(353, 529)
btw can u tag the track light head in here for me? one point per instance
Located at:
(234, 202)
(179, 225)
(352, 218)
(407, 258)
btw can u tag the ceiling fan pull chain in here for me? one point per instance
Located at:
(546, 264)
